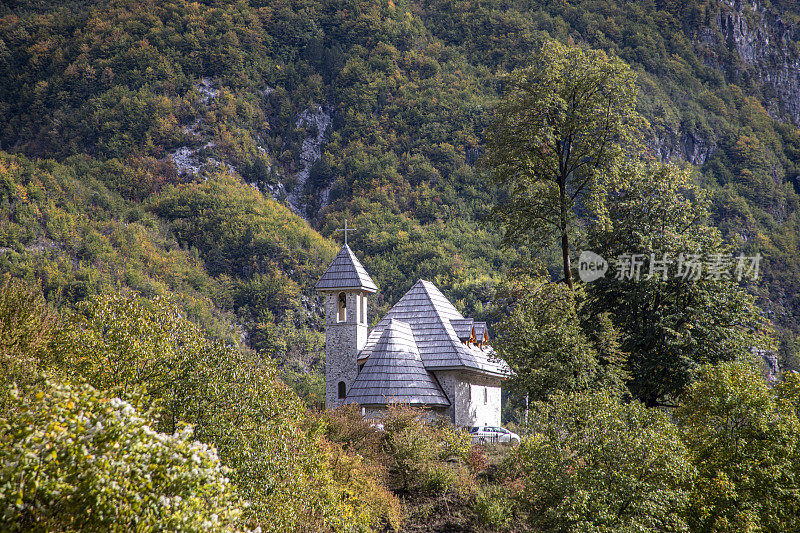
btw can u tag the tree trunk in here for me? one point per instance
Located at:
(562, 186)
(565, 256)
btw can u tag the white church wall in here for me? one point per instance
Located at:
(475, 399)
(485, 401)
(455, 389)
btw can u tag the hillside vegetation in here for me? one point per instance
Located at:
(409, 87)
(172, 176)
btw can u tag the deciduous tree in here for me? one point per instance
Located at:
(541, 339)
(553, 342)
(670, 322)
(564, 119)
(594, 464)
(744, 439)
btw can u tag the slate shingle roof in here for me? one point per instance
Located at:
(395, 372)
(430, 316)
(463, 328)
(346, 272)
(480, 331)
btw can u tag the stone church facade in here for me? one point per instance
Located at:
(422, 353)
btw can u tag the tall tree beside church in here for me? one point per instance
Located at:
(565, 119)
(551, 344)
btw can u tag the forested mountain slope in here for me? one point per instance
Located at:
(373, 111)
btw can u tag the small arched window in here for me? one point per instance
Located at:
(342, 390)
(342, 315)
(485, 395)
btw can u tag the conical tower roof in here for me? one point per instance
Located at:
(395, 372)
(346, 272)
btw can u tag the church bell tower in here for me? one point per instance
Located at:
(345, 286)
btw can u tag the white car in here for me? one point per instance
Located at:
(493, 435)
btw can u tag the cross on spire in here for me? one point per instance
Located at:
(345, 230)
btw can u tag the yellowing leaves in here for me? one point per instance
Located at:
(102, 476)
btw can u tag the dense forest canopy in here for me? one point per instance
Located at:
(172, 176)
(409, 88)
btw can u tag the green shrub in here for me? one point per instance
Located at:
(345, 425)
(419, 453)
(454, 444)
(360, 482)
(437, 478)
(594, 464)
(408, 444)
(76, 460)
(493, 508)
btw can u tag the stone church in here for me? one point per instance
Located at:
(423, 352)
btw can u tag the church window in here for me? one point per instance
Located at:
(485, 395)
(342, 390)
(342, 316)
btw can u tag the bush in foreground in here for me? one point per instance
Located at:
(745, 441)
(75, 460)
(278, 460)
(594, 464)
(418, 452)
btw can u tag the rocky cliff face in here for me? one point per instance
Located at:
(769, 365)
(751, 45)
(679, 145)
(766, 44)
(316, 121)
